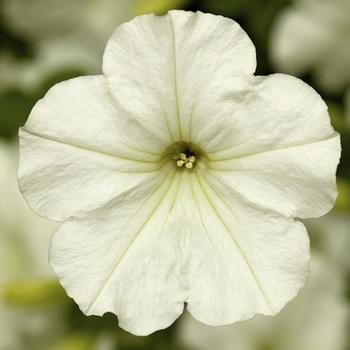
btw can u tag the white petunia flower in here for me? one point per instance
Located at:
(317, 320)
(314, 35)
(177, 175)
(66, 35)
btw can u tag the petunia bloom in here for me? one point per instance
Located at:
(177, 175)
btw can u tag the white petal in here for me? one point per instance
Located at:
(273, 111)
(127, 259)
(180, 243)
(173, 58)
(72, 157)
(244, 260)
(283, 153)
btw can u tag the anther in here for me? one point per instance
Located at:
(183, 156)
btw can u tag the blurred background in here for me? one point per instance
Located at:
(46, 41)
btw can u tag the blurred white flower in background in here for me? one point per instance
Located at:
(24, 242)
(25, 237)
(331, 234)
(314, 35)
(68, 34)
(317, 320)
(65, 34)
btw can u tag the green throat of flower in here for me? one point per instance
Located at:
(184, 155)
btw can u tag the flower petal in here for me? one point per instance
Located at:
(245, 260)
(173, 58)
(72, 157)
(181, 243)
(283, 153)
(126, 259)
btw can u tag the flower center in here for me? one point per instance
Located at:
(186, 159)
(184, 155)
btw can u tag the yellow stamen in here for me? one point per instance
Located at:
(183, 156)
